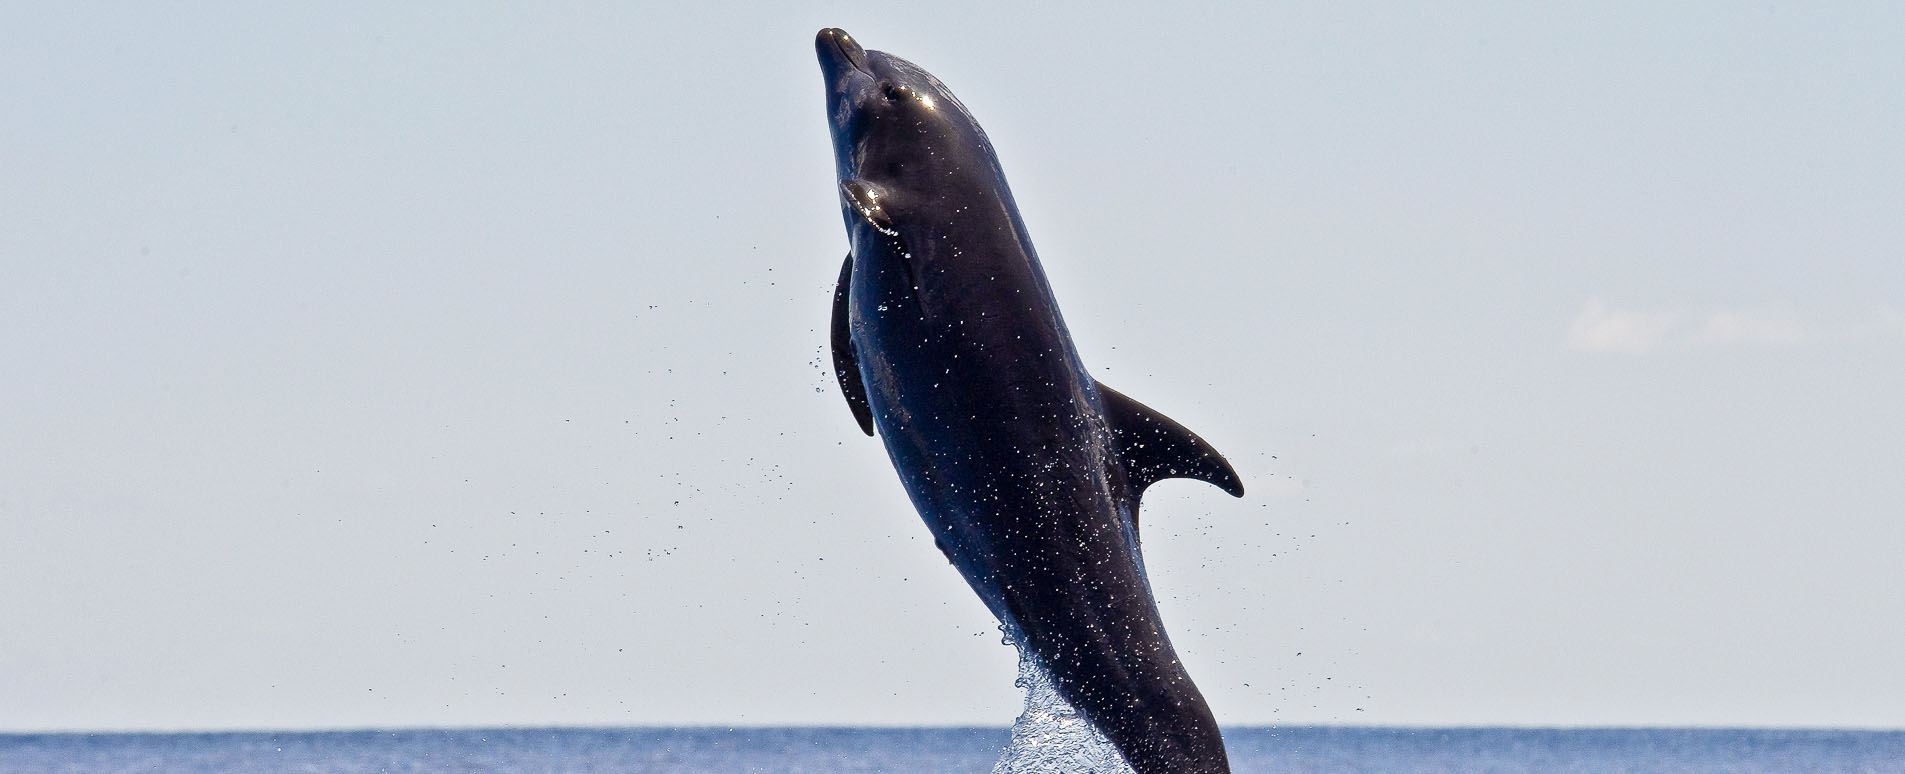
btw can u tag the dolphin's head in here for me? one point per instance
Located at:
(893, 122)
(911, 162)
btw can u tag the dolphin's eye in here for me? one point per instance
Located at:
(894, 92)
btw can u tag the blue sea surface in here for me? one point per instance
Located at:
(818, 750)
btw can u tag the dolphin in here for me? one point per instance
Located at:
(947, 339)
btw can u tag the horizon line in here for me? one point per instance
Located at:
(1412, 727)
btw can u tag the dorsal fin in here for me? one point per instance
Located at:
(846, 366)
(1152, 447)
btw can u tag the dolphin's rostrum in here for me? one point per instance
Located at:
(946, 338)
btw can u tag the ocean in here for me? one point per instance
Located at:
(967, 750)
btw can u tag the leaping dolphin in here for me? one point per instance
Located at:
(947, 339)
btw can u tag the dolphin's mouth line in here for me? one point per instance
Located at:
(855, 56)
(850, 52)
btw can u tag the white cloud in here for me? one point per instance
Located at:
(1750, 327)
(1603, 328)
(1607, 329)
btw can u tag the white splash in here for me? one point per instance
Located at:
(1050, 736)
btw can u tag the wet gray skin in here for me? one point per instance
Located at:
(947, 339)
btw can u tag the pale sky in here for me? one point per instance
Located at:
(465, 364)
